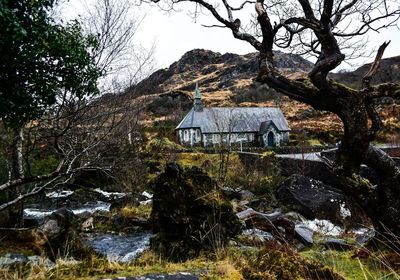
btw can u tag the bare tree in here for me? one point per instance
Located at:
(79, 131)
(119, 54)
(225, 125)
(328, 30)
(79, 136)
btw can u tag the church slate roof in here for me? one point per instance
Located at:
(233, 119)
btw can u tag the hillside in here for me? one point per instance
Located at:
(227, 80)
(389, 72)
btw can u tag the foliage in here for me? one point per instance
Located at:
(162, 145)
(276, 261)
(260, 176)
(257, 93)
(42, 162)
(39, 59)
(95, 267)
(132, 211)
(375, 266)
(224, 270)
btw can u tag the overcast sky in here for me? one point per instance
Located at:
(176, 33)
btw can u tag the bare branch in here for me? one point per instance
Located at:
(366, 80)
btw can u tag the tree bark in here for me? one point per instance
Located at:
(355, 141)
(386, 207)
(17, 172)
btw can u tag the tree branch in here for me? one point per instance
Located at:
(22, 197)
(382, 90)
(327, 12)
(366, 80)
(308, 12)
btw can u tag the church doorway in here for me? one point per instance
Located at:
(271, 139)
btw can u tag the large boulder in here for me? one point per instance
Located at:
(58, 235)
(190, 214)
(316, 200)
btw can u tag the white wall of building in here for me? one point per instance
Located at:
(193, 136)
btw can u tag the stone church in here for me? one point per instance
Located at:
(208, 126)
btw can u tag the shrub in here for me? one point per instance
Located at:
(276, 261)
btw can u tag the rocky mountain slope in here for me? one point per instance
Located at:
(389, 72)
(228, 80)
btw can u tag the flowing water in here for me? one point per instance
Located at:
(118, 247)
(89, 207)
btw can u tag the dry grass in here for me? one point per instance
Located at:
(135, 211)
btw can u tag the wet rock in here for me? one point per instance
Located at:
(256, 236)
(189, 211)
(295, 217)
(314, 199)
(57, 223)
(364, 236)
(336, 244)
(230, 193)
(13, 260)
(146, 195)
(304, 234)
(39, 261)
(88, 224)
(261, 205)
(246, 195)
(324, 227)
(273, 222)
(59, 231)
(121, 223)
(314, 169)
(146, 202)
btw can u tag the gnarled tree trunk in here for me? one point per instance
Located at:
(317, 28)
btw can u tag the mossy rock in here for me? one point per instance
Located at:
(190, 214)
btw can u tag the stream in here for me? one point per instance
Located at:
(122, 248)
(88, 207)
(118, 247)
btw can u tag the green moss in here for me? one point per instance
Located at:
(162, 145)
(358, 183)
(343, 87)
(352, 268)
(268, 155)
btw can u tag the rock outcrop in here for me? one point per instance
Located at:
(314, 199)
(190, 214)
